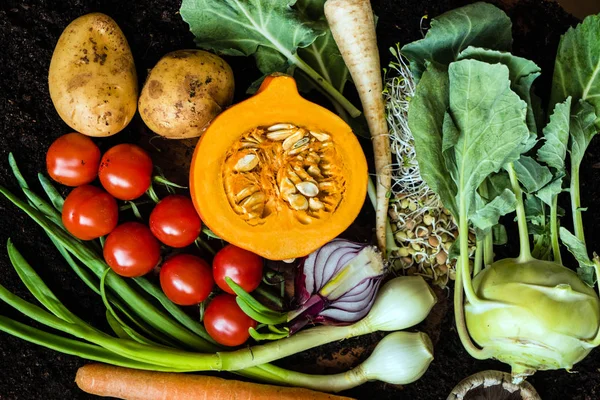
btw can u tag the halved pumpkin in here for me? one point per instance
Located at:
(278, 175)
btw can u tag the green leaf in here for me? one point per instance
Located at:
(499, 235)
(479, 24)
(554, 188)
(531, 174)
(577, 248)
(556, 137)
(521, 71)
(496, 184)
(236, 27)
(487, 216)
(425, 119)
(491, 121)
(583, 131)
(322, 54)
(577, 66)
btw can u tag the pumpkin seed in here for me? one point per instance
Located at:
(250, 202)
(278, 127)
(245, 192)
(314, 171)
(290, 141)
(286, 187)
(309, 189)
(280, 135)
(298, 202)
(300, 142)
(320, 136)
(315, 204)
(289, 260)
(298, 150)
(246, 163)
(327, 185)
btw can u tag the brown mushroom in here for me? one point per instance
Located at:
(492, 385)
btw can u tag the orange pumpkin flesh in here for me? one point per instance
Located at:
(271, 218)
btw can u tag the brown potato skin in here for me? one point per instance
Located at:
(184, 91)
(92, 77)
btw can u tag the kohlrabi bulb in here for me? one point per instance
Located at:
(536, 315)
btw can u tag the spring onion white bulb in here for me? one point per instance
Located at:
(401, 303)
(399, 358)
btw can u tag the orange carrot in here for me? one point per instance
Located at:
(133, 384)
(353, 29)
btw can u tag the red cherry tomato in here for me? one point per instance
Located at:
(89, 212)
(125, 171)
(175, 222)
(186, 279)
(73, 160)
(225, 321)
(131, 250)
(242, 266)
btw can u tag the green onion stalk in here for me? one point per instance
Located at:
(164, 338)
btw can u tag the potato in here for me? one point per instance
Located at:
(92, 78)
(184, 91)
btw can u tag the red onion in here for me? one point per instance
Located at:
(336, 284)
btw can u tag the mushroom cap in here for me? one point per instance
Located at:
(492, 385)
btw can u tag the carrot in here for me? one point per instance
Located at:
(353, 28)
(133, 384)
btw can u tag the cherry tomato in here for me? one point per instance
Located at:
(131, 250)
(225, 321)
(73, 160)
(242, 266)
(175, 222)
(186, 279)
(89, 212)
(125, 171)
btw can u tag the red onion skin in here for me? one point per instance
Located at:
(311, 305)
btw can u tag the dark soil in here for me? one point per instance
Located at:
(29, 30)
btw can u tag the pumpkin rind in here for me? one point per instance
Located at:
(281, 236)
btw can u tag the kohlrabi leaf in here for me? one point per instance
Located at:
(518, 67)
(582, 131)
(538, 225)
(535, 213)
(548, 192)
(577, 65)
(577, 248)
(522, 73)
(261, 28)
(322, 54)
(496, 183)
(425, 119)
(532, 174)
(556, 137)
(488, 215)
(491, 120)
(499, 235)
(479, 24)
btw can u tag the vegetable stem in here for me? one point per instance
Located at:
(328, 87)
(307, 339)
(459, 317)
(576, 203)
(525, 251)
(478, 258)
(554, 230)
(488, 249)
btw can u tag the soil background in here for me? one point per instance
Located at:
(29, 31)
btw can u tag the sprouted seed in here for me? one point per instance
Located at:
(423, 229)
